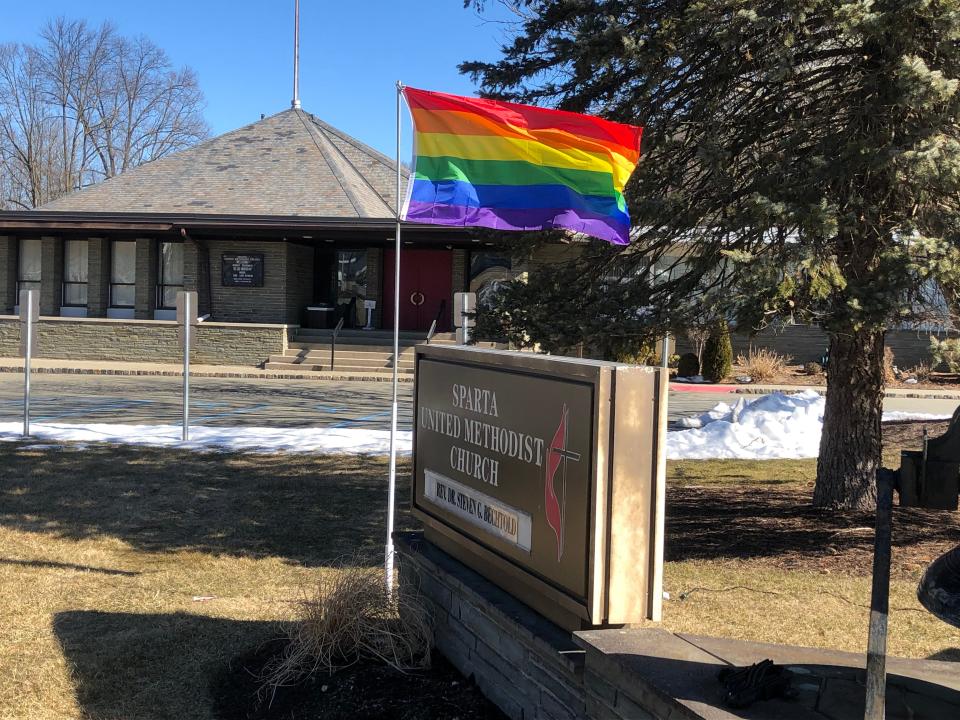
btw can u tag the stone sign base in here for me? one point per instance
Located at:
(533, 670)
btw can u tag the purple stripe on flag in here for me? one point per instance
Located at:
(598, 226)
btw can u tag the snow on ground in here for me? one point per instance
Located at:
(354, 441)
(775, 426)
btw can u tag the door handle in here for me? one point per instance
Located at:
(417, 298)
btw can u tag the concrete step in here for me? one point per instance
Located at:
(364, 347)
(324, 355)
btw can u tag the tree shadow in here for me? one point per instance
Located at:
(729, 522)
(151, 667)
(308, 509)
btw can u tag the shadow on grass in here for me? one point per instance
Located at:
(151, 667)
(51, 565)
(746, 521)
(308, 509)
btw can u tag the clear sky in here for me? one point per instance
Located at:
(351, 52)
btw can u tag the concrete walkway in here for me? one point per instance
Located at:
(675, 675)
(103, 367)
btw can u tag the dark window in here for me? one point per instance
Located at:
(170, 273)
(488, 270)
(75, 266)
(123, 273)
(28, 266)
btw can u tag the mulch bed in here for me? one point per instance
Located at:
(365, 691)
(782, 529)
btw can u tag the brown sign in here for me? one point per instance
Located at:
(515, 467)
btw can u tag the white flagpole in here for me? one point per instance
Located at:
(392, 486)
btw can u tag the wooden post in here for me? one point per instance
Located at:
(879, 601)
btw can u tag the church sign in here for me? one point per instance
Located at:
(545, 474)
(242, 269)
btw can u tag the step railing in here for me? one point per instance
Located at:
(333, 343)
(433, 326)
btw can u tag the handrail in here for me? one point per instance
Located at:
(333, 342)
(433, 326)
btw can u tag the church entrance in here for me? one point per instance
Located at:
(426, 289)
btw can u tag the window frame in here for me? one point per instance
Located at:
(162, 287)
(113, 284)
(64, 283)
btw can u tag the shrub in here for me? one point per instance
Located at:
(812, 368)
(688, 365)
(889, 369)
(717, 353)
(762, 364)
(945, 353)
(642, 355)
(349, 618)
(921, 372)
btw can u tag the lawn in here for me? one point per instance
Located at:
(129, 577)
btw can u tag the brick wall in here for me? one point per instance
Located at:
(299, 280)
(51, 272)
(8, 273)
(98, 277)
(526, 665)
(267, 304)
(807, 343)
(146, 289)
(146, 340)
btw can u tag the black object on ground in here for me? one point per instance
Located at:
(366, 690)
(760, 681)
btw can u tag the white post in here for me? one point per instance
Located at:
(296, 56)
(392, 481)
(26, 329)
(187, 310)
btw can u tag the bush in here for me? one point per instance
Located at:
(688, 365)
(812, 368)
(642, 355)
(945, 353)
(717, 353)
(762, 364)
(889, 369)
(348, 619)
(921, 372)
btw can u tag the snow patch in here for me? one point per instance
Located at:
(353, 441)
(772, 427)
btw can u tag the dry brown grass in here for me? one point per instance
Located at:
(107, 554)
(350, 618)
(107, 557)
(762, 364)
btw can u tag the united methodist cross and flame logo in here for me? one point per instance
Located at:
(557, 457)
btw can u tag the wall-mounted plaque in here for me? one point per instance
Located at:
(242, 269)
(546, 475)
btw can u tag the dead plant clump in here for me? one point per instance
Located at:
(350, 618)
(762, 364)
(889, 368)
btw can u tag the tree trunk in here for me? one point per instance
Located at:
(850, 448)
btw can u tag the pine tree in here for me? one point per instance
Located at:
(718, 353)
(804, 154)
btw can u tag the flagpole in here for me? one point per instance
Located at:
(392, 483)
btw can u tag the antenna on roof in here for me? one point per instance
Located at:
(296, 57)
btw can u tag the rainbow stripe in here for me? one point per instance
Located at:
(518, 167)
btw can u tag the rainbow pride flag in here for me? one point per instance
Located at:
(506, 166)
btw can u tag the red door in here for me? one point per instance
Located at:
(426, 286)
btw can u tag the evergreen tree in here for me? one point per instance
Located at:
(803, 155)
(718, 353)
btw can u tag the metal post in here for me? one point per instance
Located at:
(187, 310)
(392, 482)
(296, 56)
(665, 352)
(879, 602)
(27, 353)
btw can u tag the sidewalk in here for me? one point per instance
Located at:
(926, 393)
(98, 367)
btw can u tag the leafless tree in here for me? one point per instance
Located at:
(86, 104)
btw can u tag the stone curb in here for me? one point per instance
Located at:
(253, 374)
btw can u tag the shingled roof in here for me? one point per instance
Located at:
(289, 164)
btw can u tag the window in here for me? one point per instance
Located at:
(352, 284)
(123, 273)
(75, 266)
(170, 273)
(28, 266)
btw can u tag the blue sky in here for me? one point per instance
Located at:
(351, 53)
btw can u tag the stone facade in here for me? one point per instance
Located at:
(51, 270)
(146, 289)
(526, 665)
(146, 340)
(8, 273)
